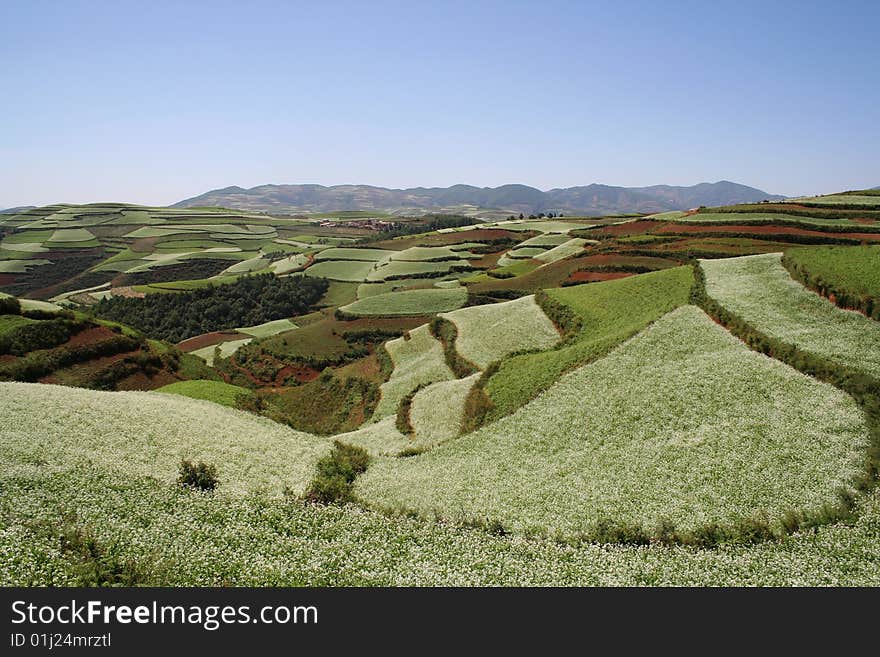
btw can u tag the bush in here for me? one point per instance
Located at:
(336, 474)
(201, 475)
(10, 306)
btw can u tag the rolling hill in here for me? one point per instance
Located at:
(588, 200)
(680, 398)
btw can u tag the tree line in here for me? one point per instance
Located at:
(248, 301)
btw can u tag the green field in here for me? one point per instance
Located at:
(400, 269)
(768, 218)
(609, 313)
(850, 273)
(409, 302)
(268, 328)
(342, 270)
(370, 255)
(629, 440)
(761, 292)
(213, 391)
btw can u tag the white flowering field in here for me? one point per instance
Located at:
(139, 434)
(185, 538)
(417, 360)
(761, 292)
(682, 423)
(436, 411)
(379, 438)
(564, 250)
(490, 332)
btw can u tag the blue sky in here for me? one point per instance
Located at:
(152, 102)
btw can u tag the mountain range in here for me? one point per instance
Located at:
(589, 200)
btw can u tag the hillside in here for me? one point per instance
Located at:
(685, 397)
(589, 200)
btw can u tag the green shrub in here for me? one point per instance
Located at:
(336, 474)
(9, 306)
(201, 475)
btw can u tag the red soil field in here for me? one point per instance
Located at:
(208, 340)
(633, 228)
(90, 336)
(594, 276)
(687, 229)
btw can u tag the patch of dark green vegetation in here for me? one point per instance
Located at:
(199, 476)
(326, 405)
(447, 333)
(246, 302)
(334, 481)
(193, 269)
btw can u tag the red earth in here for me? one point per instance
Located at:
(208, 340)
(687, 229)
(594, 276)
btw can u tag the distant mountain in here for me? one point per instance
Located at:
(587, 200)
(16, 210)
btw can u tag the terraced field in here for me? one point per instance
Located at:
(144, 434)
(489, 333)
(630, 441)
(418, 360)
(409, 302)
(759, 290)
(604, 410)
(608, 313)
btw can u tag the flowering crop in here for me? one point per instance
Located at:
(569, 248)
(418, 360)
(491, 332)
(185, 538)
(436, 411)
(146, 434)
(683, 424)
(760, 291)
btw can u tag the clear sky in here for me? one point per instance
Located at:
(155, 101)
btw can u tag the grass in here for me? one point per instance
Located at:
(140, 434)
(854, 270)
(490, 332)
(213, 391)
(366, 290)
(325, 405)
(546, 240)
(10, 323)
(681, 427)
(760, 291)
(767, 217)
(401, 269)
(268, 328)
(418, 360)
(341, 270)
(867, 200)
(609, 313)
(289, 264)
(71, 235)
(339, 294)
(428, 253)
(409, 302)
(369, 255)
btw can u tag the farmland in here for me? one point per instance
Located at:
(850, 277)
(758, 289)
(537, 395)
(409, 302)
(645, 448)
